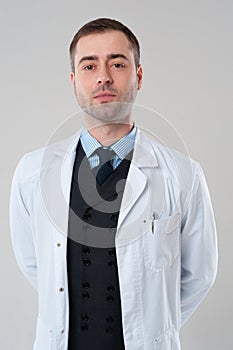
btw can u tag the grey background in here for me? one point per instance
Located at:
(187, 57)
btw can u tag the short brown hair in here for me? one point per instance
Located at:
(102, 25)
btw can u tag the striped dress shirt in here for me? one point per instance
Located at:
(121, 147)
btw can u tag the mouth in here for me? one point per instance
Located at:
(104, 97)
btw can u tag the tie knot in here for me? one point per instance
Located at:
(105, 154)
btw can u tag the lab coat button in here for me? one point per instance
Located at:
(58, 244)
(61, 290)
(62, 331)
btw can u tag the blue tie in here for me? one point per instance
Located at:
(104, 169)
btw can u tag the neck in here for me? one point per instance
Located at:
(108, 133)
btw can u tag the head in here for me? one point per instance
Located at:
(105, 68)
(102, 25)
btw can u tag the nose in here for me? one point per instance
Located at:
(104, 76)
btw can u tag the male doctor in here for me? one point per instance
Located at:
(115, 231)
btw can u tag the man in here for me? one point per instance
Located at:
(115, 231)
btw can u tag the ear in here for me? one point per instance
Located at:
(72, 77)
(139, 75)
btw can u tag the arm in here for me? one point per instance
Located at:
(198, 247)
(20, 227)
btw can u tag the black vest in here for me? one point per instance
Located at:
(95, 321)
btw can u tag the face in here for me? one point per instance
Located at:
(106, 80)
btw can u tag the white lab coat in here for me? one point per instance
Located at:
(165, 241)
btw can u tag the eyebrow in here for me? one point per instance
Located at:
(96, 58)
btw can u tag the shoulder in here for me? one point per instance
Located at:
(29, 165)
(176, 166)
(33, 163)
(166, 156)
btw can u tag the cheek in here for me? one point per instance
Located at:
(123, 82)
(131, 78)
(82, 86)
(131, 83)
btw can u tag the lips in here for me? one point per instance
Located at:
(104, 96)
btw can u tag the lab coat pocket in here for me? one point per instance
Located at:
(43, 336)
(169, 340)
(162, 242)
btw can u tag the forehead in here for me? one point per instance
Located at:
(104, 43)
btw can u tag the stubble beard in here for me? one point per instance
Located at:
(110, 112)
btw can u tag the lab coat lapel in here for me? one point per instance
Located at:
(143, 157)
(56, 182)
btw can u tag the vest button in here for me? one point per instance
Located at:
(84, 317)
(114, 217)
(111, 263)
(87, 216)
(109, 319)
(86, 296)
(86, 262)
(84, 327)
(110, 288)
(86, 285)
(86, 251)
(112, 252)
(108, 329)
(110, 298)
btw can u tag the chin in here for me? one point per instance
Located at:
(110, 111)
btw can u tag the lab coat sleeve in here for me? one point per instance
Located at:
(199, 254)
(20, 226)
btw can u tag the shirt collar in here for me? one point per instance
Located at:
(121, 147)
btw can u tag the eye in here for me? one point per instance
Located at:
(118, 65)
(89, 67)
